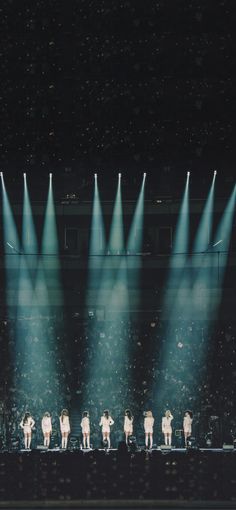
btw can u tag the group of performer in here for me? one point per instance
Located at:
(27, 424)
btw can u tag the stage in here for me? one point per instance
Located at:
(161, 449)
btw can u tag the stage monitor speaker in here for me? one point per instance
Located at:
(228, 447)
(166, 447)
(178, 432)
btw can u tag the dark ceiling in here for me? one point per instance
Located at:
(108, 86)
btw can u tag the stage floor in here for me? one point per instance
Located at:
(42, 449)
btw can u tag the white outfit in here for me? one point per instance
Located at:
(187, 424)
(46, 424)
(28, 425)
(128, 425)
(166, 424)
(105, 423)
(148, 424)
(85, 424)
(65, 424)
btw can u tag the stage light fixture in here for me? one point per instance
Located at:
(95, 175)
(218, 242)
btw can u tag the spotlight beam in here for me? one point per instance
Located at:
(49, 247)
(178, 273)
(11, 241)
(113, 297)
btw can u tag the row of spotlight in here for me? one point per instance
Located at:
(95, 175)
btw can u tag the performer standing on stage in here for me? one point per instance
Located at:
(187, 425)
(85, 425)
(105, 422)
(128, 425)
(65, 427)
(46, 428)
(148, 428)
(27, 423)
(166, 427)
